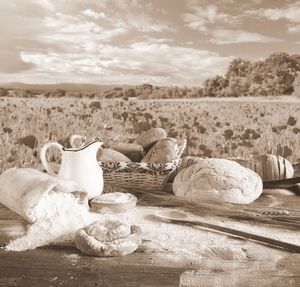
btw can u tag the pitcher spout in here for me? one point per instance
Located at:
(96, 144)
(93, 146)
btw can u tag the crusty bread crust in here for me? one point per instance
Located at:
(218, 179)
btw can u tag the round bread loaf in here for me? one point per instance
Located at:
(218, 179)
(148, 138)
(108, 154)
(163, 151)
(109, 238)
(185, 162)
(135, 152)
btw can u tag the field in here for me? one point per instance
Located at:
(213, 127)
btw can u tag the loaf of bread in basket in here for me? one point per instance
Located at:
(144, 176)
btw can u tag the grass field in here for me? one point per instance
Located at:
(213, 127)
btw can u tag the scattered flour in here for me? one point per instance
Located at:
(184, 240)
(67, 216)
(64, 218)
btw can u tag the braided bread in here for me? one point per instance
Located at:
(111, 238)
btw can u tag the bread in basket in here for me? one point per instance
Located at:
(140, 175)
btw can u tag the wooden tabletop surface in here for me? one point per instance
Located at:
(66, 266)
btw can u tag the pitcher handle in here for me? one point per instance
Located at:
(43, 157)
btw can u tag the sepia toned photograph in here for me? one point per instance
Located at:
(149, 143)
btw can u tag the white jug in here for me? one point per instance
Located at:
(79, 165)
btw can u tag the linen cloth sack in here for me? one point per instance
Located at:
(34, 194)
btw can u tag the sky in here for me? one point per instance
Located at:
(161, 42)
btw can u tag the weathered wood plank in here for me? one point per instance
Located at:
(66, 266)
(58, 267)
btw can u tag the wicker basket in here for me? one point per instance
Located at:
(140, 175)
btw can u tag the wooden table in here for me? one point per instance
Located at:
(66, 266)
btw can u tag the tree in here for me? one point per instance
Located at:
(130, 93)
(238, 68)
(3, 92)
(144, 91)
(237, 87)
(273, 76)
(59, 93)
(296, 86)
(282, 69)
(212, 87)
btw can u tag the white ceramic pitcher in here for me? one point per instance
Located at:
(79, 165)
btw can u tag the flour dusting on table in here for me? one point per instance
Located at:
(158, 236)
(65, 218)
(187, 241)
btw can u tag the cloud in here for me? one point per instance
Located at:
(11, 62)
(141, 23)
(294, 29)
(75, 40)
(290, 13)
(128, 41)
(93, 14)
(227, 36)
(20, 23)
(46, 4)
(110, 18)
(159, 63)
(195, 22)
(199, 16)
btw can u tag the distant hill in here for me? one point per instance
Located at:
(69, 87)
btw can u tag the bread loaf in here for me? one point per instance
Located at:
(163, 151)
(108, 154)
(148, 138)
(220, 180)
(185, 162)
(269, 166)
(133, 151)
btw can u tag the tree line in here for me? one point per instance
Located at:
(278, 74)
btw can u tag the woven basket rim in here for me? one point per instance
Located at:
(147, 165)
(141, 175)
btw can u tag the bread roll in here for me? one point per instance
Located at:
(268, 166)
(148, 138)
(133, 151)
(163, 151)
(218, 179)
(109, 238)
(108, 154)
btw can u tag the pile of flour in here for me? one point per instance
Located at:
(63, 218)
